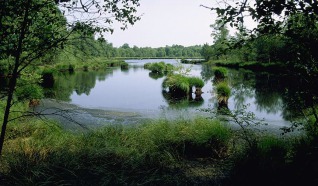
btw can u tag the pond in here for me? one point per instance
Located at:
(126, 96)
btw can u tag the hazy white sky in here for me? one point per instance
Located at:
(168, 22)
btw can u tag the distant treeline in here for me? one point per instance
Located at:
(88, 46)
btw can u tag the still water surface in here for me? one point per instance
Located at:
(136, 90)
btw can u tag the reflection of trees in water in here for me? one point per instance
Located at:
(240, 95)
(300, 95)
(272, 92)
(80, 82)
(267, 89)
(270, 102)
(268, 93)
(182, 102)
(242, 83)
(156, 75)
(206, 72)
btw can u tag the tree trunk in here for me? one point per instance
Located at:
(13, 80)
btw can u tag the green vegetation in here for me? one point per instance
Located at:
(198, 151)
(195, 82)
(180, 85)
(273, 45)
(174, 51)
(223, 92)
(35, 38)
(159, 67)
(149, 153)
(35, 32)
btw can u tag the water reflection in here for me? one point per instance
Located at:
(270, 96)
(80, 82)
(191, 101)
(156, 75)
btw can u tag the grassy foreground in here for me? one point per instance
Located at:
(180, 152)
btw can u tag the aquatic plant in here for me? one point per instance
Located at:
(160, 67)
(223, 93)
(195, 82)
(180, 85)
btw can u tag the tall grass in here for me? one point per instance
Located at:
(150, 153)
(158, 152)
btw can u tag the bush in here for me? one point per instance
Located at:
(29, 91)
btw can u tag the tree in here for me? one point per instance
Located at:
(30, 29)
(206, 52)
(220, 36)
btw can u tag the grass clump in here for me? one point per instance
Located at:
(160, 67)
(223, 90)
(180, 85)
(195, 82)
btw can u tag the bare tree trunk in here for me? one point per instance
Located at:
(13, 80)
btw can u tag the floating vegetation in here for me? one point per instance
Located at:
(160, 67)
(223, 93)
(180, 85)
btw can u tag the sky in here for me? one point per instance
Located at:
(167, 22)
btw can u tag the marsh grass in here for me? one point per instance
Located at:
(223, 90)
(158, 152)
(195, 82)
(159, 67)
(151, 153)
(180, 85)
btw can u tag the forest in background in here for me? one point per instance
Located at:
(88, 46)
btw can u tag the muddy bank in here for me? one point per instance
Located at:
(73, 117)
